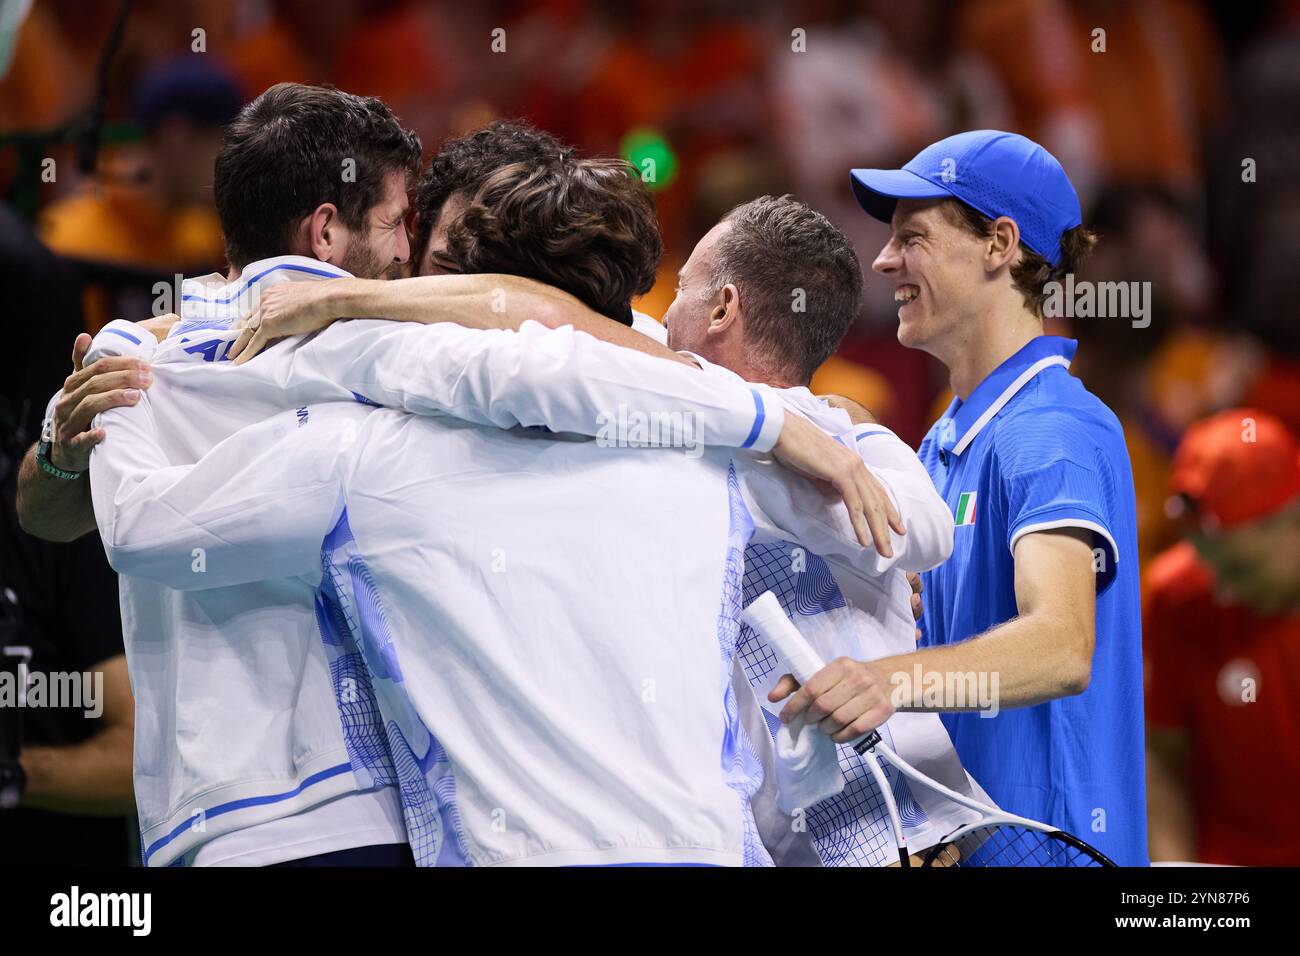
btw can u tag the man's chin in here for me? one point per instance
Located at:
(909, 334)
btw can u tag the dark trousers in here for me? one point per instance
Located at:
(386, 854)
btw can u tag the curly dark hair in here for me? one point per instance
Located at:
(286, 153)
(463, 163)
(585, 226)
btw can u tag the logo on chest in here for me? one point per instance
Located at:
(965, 513)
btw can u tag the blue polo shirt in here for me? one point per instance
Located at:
(1032, 450)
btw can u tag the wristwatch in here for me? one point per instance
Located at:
(43, 455)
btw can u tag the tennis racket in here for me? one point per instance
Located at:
(995, 839)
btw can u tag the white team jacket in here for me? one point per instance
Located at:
(244, 713)
(845, 612)
(549, 624)
(155, 517)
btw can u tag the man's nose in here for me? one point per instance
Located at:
(888, 261)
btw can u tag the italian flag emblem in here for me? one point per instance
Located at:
(966, 508)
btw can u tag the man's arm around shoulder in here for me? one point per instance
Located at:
(57, 508)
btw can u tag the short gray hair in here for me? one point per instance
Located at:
(798, 276)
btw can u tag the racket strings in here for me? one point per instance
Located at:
(853, 828)
(1012, 846)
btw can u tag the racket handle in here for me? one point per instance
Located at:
(766, 617)
(863, 744)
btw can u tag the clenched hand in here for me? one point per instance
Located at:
(807, 449)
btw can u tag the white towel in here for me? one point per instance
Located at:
(807, 766)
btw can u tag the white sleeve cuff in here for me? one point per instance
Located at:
(769, 419)
(1096, 527)
(121, 338)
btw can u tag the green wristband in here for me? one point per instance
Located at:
(47, 466)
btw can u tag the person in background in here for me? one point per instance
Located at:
(70, 772)
(1222, 621)
(1137, 108)
(158, 214)
(1181, 364)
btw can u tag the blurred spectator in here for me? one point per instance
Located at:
(1159, 378)
(162, 213)
(43, 81)
(64, 598)
(1256, 211)
(407, 54)
(1136, 112)
(288, 41)
(876, 83)
(1221, 624)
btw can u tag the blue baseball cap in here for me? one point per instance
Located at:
(997, 173)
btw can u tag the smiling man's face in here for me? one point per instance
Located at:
(382, 247)
(938, 272)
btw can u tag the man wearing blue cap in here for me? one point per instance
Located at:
(1031, 633)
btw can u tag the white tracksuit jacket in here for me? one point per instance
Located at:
(238, 720)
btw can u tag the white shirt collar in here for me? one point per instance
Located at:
(213, 302)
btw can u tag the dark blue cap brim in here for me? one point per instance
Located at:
(878, 190)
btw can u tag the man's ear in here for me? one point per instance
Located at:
(1002, 245)
(726, 311)
(322, 233)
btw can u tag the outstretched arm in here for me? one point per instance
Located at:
(569, 381)
(928, 519)
(899, 495)
(256, 507)
(475, 301)
(562, 379)
(259, 504)
(58, 508)
(1043, 653)
(500, 302)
